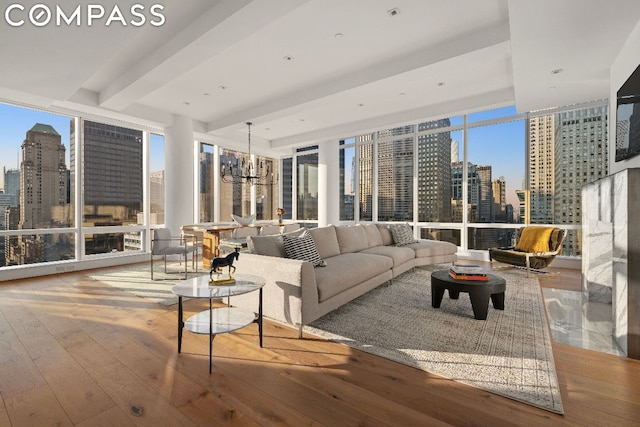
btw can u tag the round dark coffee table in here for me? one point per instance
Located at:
(479, 291)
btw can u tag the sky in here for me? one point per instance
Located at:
(501, 146)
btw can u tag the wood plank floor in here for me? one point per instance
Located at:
(74, 351)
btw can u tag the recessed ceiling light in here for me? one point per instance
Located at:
(206, 94)
(222, 87)
(361, 105)
(393, 12)
(557, 71)
(440, 83)
(401, 94)
(339, 35)
(186, 103)
(288, 58)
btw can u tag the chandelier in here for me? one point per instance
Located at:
(246, 171)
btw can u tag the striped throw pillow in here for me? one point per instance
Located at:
(303, 247)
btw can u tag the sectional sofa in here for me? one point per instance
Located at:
(358, 258)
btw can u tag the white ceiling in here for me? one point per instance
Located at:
(223, 62)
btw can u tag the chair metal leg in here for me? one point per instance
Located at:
(152, 267)
(185, 265)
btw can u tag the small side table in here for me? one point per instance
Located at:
(479, 291)
(219, 320)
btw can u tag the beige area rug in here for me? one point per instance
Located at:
(508, 354)
(136, 279)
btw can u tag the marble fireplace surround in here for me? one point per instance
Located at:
(611, 252)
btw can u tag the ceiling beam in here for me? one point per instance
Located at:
(283, 105)
(219, 28)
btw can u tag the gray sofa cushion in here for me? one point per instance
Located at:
(351, 238)
(426, 248)
(399, 255)
(270, 245)
(326, 241)
(347, 270)
(373, 235)
(387, 239)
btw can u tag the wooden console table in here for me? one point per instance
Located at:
(210, 242)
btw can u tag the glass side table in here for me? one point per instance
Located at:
(218, 320)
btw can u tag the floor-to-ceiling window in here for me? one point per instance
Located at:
(266, 190)
(35, 157)
(287, 187)
(156, 179)
(235, 192)
(347, 179)
(496, 162)
(206, 183)
(485, 171)
(112, 184)
(307, 187)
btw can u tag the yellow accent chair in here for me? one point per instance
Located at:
(535, 248)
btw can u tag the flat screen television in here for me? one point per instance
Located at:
(628, 118)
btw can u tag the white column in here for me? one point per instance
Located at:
(328, 183)
(179, 187)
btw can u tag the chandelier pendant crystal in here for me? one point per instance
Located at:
(248, 172)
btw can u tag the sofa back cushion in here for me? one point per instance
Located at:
(351, 238)
(373, 235)
(326, 241)
(385, 233)
(270, 245)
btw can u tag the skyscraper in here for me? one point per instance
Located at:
(43, 178)
(12, 183)
(581, 157)
(434, 172)
(485, 199)
(395, 174)
(541, 166)
(499, 189)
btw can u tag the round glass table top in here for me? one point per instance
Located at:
(199, 287)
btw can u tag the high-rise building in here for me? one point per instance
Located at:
(473, 191)
(524, 208)
(499, 190)
(364, 151)
(156, 196)
(395, 174)
(455, 151)
(12, 183)
(485, 199)
(207, 193)
(434, 172)
(43, 177)
(581, 157)
(541, 164)
(11, 247)
(112, 182)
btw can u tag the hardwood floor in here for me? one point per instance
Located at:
(78, 352)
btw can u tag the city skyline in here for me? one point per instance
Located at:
(502, 148)
(15, 121)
